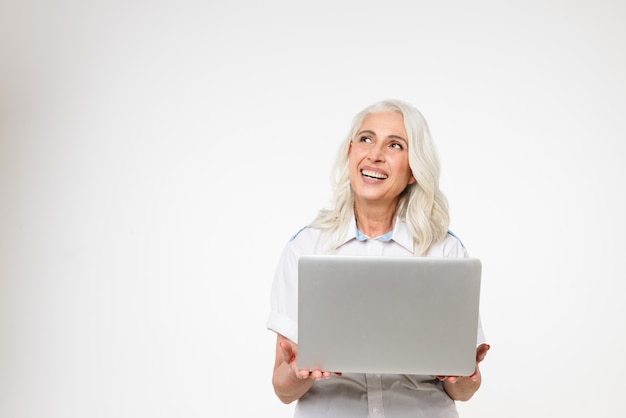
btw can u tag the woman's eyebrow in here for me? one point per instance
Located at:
(396, 137)
(367, 131)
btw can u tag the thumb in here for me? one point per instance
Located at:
(482, 352)
(287, 352)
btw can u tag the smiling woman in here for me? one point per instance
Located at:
(420, 202)
(386, 202)
(379, 170)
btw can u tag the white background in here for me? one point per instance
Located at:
(156, 156)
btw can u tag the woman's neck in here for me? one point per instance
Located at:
(374, 221)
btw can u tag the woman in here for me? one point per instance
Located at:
(387, 202)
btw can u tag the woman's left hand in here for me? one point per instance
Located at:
(481, 352)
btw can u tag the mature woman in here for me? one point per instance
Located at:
(387, 202)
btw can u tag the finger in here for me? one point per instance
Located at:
(287, 352)
(317, 374)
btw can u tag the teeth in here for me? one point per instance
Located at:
(373, 174)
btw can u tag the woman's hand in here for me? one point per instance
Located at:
(290, 383)
(481, 352)
(290, 356)
(463, 388)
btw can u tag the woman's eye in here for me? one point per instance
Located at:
(366, 139)
(397, 146)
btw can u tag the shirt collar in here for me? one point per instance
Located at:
(400, 234)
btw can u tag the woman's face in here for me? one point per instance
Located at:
(379, 159)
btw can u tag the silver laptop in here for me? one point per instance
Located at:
(396, 315)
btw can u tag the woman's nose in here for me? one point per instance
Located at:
(377, 153)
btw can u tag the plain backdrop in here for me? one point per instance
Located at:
(155, 157)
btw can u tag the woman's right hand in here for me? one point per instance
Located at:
(289, 382)
(290, 356)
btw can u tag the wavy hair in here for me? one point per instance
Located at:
(422, 206)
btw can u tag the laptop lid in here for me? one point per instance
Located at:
(396, 315)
